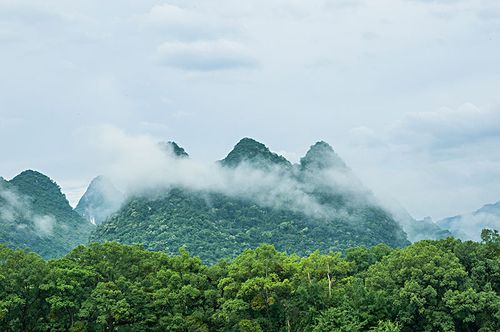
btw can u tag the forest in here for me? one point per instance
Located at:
(431, 285)
(214, 226)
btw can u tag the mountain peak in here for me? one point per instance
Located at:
(100, 182)
(100, 200)
(176, 149)
(250, 150)
(40, 217)
(29, 178)
(320, 156)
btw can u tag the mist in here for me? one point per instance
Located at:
(138, 166)
(16, 209)
(469, 226)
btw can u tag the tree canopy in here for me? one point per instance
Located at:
(444, 285)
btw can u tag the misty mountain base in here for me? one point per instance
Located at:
(444, 285)
(214, 226)
(216, 211)
(259, 197)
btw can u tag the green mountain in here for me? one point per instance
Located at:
(332, 212)
(35, 215)
(322, 156)
(250, 151)
(100, 200)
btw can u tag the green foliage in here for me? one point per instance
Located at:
(214, 226)
(35, 215)
(428, 286)
(251, 151)
(386, 326)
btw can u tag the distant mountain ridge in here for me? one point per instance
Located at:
(35, 215)
(468, 226)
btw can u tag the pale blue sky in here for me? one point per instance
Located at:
(407, 91)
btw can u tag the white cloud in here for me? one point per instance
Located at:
(138, 165)
(16, 208)
(437, 163)
(189, 23)
(56, 54)
(447, 127)
(44, 225)
(205, 55)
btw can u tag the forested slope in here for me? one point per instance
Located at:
(215, 226)
(34, 214)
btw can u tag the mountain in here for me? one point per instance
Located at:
(321, 156)
(100, 200)
(172, 147)
(425, 229)
(468, 226)
(250, 151)
(493, 209)
(35, 215)
(318, 204)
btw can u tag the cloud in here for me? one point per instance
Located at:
(58, 53)
(442, 129)
(490, 14)
(437, 2)
(12, 205)
(17, 209)
(364, 136)
(188, 24)
(9, 122)
(44, 225)
(449, 154)
(448, 128)
(205, 55)
(138, 166)
(469, 226)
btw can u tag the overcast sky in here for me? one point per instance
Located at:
(406, 91)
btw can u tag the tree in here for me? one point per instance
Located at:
(22, 306)
(413, 281)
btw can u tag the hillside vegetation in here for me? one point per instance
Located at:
(35, 215)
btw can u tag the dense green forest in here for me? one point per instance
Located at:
(214, 226)
(444, 285)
